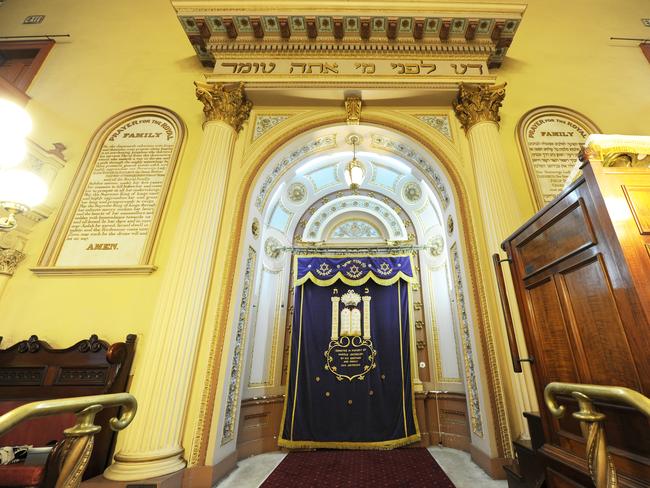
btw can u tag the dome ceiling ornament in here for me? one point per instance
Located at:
(297, 192)
(412, 192)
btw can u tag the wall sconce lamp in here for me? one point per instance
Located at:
(354, 172)
(20, 190)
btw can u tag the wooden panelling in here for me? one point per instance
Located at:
(446, 420)
(638, 198)
(563, 236)
(552, 345)
(580, 270)
(259, 425)
(596, 321)
(558, 480)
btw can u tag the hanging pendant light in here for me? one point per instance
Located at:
(354, 172)
(20, 190)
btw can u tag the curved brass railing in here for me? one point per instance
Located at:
(601, 467)
(70, 457)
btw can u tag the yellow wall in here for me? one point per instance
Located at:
(562, 55)
(121, 54)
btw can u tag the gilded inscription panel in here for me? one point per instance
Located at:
(550, 138)
(112, 212)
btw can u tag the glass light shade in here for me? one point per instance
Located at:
(354, 174)
(12, 150)
(21, 187)
(14, 120)
(15, 124)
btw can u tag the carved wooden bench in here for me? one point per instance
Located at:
(32, 370)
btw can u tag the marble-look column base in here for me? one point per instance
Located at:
(132, 466)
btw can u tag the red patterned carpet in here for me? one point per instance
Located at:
(409, 467)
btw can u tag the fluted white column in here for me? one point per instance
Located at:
(477, 107)
(152, 443)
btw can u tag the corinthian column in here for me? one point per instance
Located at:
(9, 259)
(152, 444)
(477, 108)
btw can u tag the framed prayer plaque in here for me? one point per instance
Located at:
(109, 220)
(549, 139)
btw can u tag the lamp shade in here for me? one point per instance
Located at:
(354, 173)
(15, 124)
(22, 188)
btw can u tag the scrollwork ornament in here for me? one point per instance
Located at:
(9, 260)
(478, 103)
(224, 102)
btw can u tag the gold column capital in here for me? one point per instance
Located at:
(9, 260)
(478, 103)
(226, 102)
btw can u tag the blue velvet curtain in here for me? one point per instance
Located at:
(349, 383)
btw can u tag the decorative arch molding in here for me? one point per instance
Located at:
(355, 229)
(315, 208)
(434, 143)
(331, 213)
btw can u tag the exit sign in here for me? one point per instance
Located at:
(33, 19)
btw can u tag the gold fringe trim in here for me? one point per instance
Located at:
(378, 445)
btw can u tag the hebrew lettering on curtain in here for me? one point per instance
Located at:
(349, 384)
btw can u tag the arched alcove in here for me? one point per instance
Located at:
(307, 170)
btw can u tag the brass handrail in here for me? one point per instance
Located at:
(601, 467)
(69, 458)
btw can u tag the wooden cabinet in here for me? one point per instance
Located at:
(581, 272)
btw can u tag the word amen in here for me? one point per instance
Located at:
(102, 247)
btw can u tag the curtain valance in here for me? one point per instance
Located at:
(353, 271)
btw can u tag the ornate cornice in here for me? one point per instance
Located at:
(224, 102)
(9, 259)
(478, 103)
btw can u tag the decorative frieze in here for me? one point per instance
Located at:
(466, 340)
(230, 415)
(324, 142)
(264, 123)
(224, 102)
(438, 122)
(411, 155)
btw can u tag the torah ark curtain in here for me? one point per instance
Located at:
(349, 384)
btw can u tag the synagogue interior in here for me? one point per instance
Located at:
(312, 244)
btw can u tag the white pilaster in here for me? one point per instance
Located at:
(152, 444)
(477, 108)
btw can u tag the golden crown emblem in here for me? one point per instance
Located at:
(350, 298)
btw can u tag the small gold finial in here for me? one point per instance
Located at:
(478, 103)
(224, 102)
(352, 110)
